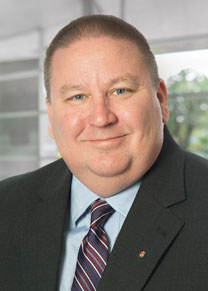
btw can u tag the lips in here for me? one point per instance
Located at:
(106, 139)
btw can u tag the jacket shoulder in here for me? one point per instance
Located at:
(196, 166)
(196, 175)
(17, 187)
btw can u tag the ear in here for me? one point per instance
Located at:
(162, 96)
(49, 109)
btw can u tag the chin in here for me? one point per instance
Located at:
(109, 169)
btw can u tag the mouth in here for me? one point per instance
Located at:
(106, 140)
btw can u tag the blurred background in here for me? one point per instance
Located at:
(176, 30)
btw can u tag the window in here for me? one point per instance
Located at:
(186, 76)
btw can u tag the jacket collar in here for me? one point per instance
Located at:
(165, 180)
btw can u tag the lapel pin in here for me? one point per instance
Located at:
(142, 254)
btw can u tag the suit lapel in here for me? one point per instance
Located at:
(150, 227)
(148, 230)
(44, 223)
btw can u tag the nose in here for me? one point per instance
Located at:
(100, 114)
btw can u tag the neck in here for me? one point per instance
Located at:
(109, 186)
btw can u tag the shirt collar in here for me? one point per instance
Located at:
(123, 200)
(82, 197)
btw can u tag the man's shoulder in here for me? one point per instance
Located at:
(196, 163)
(196, 172)
(17, 187)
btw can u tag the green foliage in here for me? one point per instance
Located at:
(187, 81)
(188, 103)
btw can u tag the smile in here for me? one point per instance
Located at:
(107, 140)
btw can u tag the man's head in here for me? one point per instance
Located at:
(106, 112)
(97, 26)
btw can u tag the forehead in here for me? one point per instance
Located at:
(103, 56)
(88, 47)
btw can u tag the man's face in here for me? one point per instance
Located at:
(105, 115)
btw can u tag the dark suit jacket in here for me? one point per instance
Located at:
(168, 221)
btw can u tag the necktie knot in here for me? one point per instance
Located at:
(100, 212)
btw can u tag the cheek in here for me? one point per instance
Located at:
(136, 116)
(67, 124)
(142, 117)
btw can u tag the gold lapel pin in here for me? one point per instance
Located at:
(142, 254)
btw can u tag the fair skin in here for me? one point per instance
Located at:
(105, 115)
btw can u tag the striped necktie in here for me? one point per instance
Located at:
(93, 252)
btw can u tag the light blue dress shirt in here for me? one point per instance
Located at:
(81, 198)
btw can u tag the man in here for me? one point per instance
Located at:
(107, 108)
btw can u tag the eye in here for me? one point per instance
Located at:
(120, 91)
(79, 97)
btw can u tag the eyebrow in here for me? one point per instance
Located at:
(128, 77)
(67, 87)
